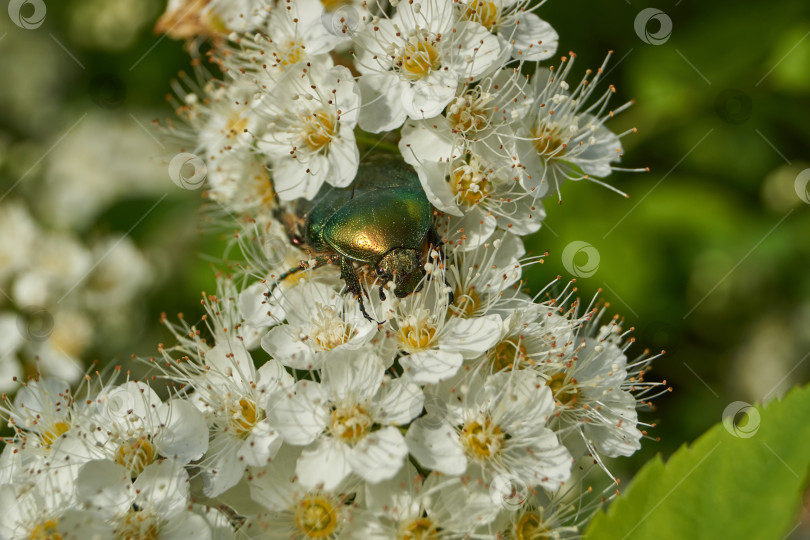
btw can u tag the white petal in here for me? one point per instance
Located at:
(323, 464)
(382, 102)
(352, 374)
(471, 337)
(163, 484)
(532, 38)
(398, 402)
(379, 455)
(105, 486)
(261, 445)
(284, 344)
(430, 367)
(185, 437)
(436, 446)
(302, 415)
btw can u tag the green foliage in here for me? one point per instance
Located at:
(722, 486)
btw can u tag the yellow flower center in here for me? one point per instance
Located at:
(483, 12)
(549, 143)
(46, 530)
(565, 392)
(56, 430)
(328, 329)
(465, 303)
(136, 454)
(292, 55)
(236, 125)
(530, 527)
(316, 517)
(469, 112)
(419, 529)
(468, 187)
(140, 525)
(482, 440)
(507, 355)
(418, 58)
(244, 417)
(416, 337)
(319, 129)
(350, 424)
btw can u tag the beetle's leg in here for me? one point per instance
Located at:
(319, 261)
(349, 275)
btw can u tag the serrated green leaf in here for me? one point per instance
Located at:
(722, 486)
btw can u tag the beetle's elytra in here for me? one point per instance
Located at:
(383, 220)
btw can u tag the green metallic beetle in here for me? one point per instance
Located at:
(383, 220)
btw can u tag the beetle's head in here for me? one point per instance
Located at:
(404, 266)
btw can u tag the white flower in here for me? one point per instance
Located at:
(226, 128)
(413, 62)
(322, 324)
(412, 506)
(496, 426)
(231, 392)
(131, 425)
(295, 510)
(435, 339)
(591, 388)
(310, 117)
(527, 35)
(155, 505)
(294, 35)
(348, 421)
(564, 136)
(481, 279)
(34, 505)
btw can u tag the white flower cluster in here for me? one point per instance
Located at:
(439, 401)
(60, 294)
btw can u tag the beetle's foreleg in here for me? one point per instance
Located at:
(349, 275)
(319, 261)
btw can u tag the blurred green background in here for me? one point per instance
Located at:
(708, 258)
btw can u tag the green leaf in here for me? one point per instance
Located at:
(722, 486)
